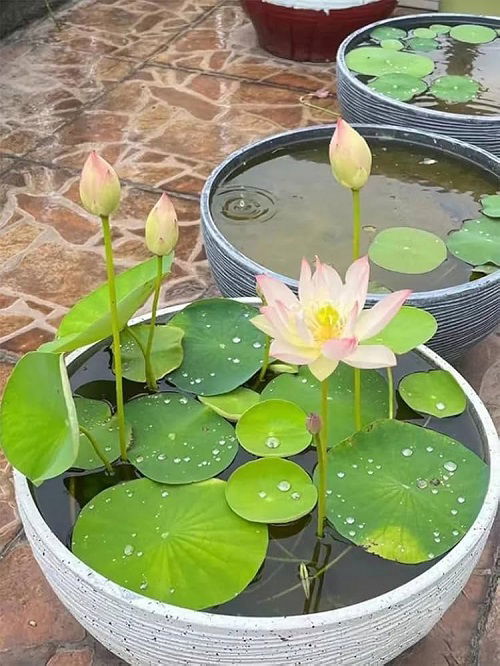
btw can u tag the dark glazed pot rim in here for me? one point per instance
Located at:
(410, 21)
(453, 147)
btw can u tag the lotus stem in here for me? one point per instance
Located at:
(115, 327)
(356, 235)
(390, 389)
(321, 441)
(150, 377)
(96, 448)
(265, 362)
(357, 398)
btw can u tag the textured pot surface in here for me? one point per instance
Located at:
(359, 104)
(311, 30)
(466, 313)
(146, 632)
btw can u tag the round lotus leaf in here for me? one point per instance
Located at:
(440, 28)
(166, 352)
(454, 89)
(398, 86)
(274, 428)
(392, 44)
(435, 392)
(407, 250)
(424, 33)
(404, 492)
(305, 391)
(222, 348)
(408, 329)
(477, 242)
(374, 61)
(179, 544)
(231, 405)
(422, 44)
(387, 32)
(177, 439)
(95, 416)
(491, 205)
(473, 34)
(480, 271)
(271, 490)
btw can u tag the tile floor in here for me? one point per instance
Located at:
(164, 89)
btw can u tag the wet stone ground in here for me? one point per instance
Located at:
(164, 89)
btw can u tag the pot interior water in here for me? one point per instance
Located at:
(285, 204)
(351, 574)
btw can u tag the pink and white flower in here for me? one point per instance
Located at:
(326, 324)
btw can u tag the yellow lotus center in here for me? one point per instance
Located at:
(326, 323)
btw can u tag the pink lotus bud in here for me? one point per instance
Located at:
(350, 156)
(313, 423)
(162, 230)
(99, 186)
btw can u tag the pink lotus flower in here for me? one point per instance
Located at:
(350, 156)
(326, 323)
(99, 186)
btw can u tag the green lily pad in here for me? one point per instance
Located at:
(387, 32)
(375, 287)
(480, 271)
(177, 439)
(271, 490)
(166, 353)
(454, 89)
(398, 86)
(392, 44)
(179, 544)
(491, 205)
(274, 428)
(440, 28)
(304, 390)
(231, 405)
(222, 348)
(374, 61)
(407, 250)
(473, 34)
(422, 44)
(477, 242)
(404, 492)
(89, 320)
(39, 423)
(408, 329)
(96, 417)
(279, 368)
(435, 392)
(424, 33)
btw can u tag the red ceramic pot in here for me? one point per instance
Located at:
(310, 35)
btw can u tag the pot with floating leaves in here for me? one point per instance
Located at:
(226, 480)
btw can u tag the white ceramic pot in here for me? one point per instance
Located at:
(146, 632)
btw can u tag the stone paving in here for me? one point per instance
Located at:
(164, 89)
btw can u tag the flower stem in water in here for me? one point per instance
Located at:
(390, 388)
(150, 378)
(97, 449)
(321, 447)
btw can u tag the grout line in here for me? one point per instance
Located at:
(12, 543)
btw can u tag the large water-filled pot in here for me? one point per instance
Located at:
(360, 104)
(311, 30)
(466, 313)
(145, 632)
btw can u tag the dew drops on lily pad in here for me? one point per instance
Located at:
(375, 61)
(473, 34)
(455, 89)
(402, 87)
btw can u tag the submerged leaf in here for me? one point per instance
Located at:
(435, 392)
(392, 44)
(423, 44)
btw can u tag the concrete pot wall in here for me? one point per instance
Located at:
(144, 632)
(466, 313)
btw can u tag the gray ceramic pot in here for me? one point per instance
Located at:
(466, 313)
(359, 104)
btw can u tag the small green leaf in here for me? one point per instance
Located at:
(392, 44)
(480, 271)
(179, 544)
(477, 242)
(473, 34)
(280, 368)
(440, 29)
(424, 33)
(387, 32)
(222, 348)
(404, 492)
(374, 61)
(398, 86)
(304, 390)
(407, 250)
(89, 320)
(491, 205)
(177, 439)
(435, 392)
(408, 329)
(271, 490)
(40, 435)
(274, 428)
(231, 405)
(95, 416)
(166, 354)
(454, 89)
(422, 44)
